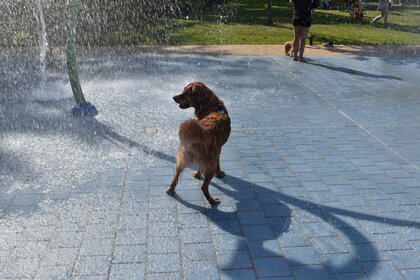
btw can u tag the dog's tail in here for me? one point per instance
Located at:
(192, 133)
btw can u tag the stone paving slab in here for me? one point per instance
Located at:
(322, 171)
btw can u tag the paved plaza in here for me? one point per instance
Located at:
(322, 171)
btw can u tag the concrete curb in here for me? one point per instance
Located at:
(218, 50)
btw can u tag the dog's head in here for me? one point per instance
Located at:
(196, 95)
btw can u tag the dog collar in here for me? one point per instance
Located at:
(221, 109)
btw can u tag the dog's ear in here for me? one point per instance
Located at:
(188, 90)
(201, 96)
(206, 96)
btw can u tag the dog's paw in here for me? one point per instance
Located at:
(196, 174)
(170, 191)
(220, 174)
(214, 201)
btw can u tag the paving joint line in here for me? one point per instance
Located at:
(353, 121)
(313, 127)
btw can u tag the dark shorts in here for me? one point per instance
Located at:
(304, 21)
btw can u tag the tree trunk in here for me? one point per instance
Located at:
(270, 12)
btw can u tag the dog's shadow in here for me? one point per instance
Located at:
(227, 222)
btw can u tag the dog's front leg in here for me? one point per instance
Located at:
(205, 189)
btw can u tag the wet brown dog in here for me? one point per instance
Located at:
(201, 139)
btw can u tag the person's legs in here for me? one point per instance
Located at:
(385, 16)
(303, 34)
(296, 41)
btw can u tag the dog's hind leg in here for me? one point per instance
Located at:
(205, 189)
(180, 165)
(219, 172)
(171, 189)
(196, 174)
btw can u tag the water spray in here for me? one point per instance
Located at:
(42, 41)
(83, 108)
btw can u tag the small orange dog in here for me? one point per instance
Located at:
(288, 48)
(201, 139)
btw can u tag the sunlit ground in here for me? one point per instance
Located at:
(322, 162)
(322, 171)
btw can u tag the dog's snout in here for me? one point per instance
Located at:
(182, 101)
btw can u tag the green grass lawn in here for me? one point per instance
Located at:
(244, 22)
(236, 22)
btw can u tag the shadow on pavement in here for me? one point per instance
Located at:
(355, 72)
(225, 220)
